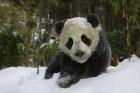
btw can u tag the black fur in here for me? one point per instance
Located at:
(59, 26)
(75, 71)
(86, 40)
(93, 20)
(69, 43)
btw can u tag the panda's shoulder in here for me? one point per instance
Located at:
(59, 55)
(62, 56)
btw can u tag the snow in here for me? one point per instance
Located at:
(43, 45)
(51, 41)
(43, 31)
(125, 78)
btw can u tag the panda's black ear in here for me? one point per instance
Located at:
(93, 19)
(59, 26)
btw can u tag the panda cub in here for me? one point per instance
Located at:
(85, 51)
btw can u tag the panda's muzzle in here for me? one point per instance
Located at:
(79, 53)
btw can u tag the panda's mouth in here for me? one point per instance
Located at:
(81, 59)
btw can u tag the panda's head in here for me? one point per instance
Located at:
(79, 36)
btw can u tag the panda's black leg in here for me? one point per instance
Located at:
(48, 75)
(53, 67)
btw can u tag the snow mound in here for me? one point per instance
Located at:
(122, 79)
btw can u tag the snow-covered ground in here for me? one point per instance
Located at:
(122, 79)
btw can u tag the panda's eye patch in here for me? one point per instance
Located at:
(69, 43)
(86, 40)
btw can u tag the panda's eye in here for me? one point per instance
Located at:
(86, 40)
(69, 43)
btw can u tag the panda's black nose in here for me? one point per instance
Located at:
(79, 53)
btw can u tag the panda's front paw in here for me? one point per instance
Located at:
(65, 82)
(48, 75)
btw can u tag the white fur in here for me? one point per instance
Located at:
(74, 28)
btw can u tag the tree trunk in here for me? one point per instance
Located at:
(27, 39)
(78, 8)
(70, 8)
(126, 26)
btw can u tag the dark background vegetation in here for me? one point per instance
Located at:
(26, 28)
